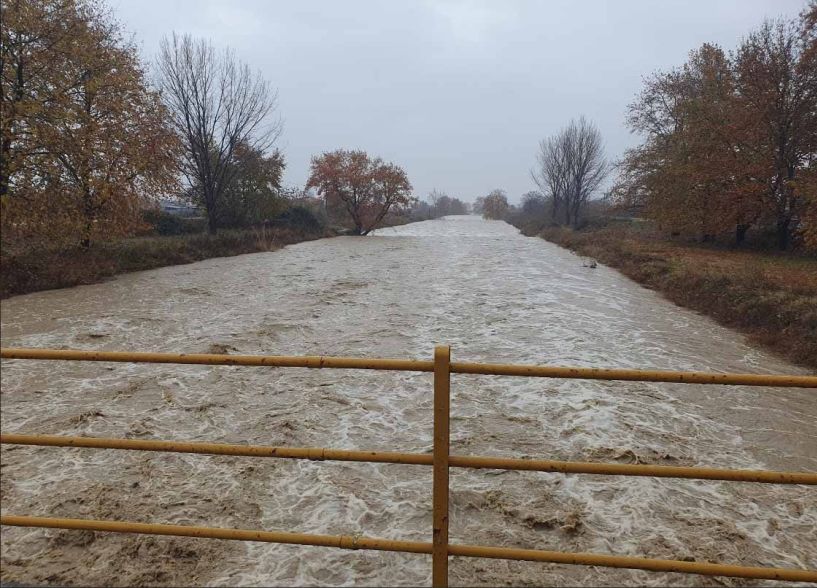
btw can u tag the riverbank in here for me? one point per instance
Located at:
(46, 270)
(770, 297)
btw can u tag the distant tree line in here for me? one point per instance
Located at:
(731, 138)
(437, 205)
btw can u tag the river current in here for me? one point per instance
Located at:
(479, 286)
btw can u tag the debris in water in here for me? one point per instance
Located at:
(220, 349)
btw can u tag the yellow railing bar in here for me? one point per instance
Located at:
(459, 461)
(497, 369)
(623, 469)
(357, 542)
(636, 563)
(501, 369)
(311, 453)
(341, 541)
(302, 361)
(442, 439)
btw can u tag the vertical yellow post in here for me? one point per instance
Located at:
(442, 389)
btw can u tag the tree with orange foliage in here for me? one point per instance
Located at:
(495, 206)
(84, 140)
(807, 182)
(365, 188)
(776, 96)
(726, 139)
(684, 173)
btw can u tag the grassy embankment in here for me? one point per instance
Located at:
(770, 297)
(44, 270)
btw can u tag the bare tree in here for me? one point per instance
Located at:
(551, 175)
(571, 167)
(216, 104)
(587, 166)
(434, 197)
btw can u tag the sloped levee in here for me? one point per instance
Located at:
(477, 285)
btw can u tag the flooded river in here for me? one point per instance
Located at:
(490, 293)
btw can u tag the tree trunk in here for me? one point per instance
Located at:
(783, 234)
(85, 243)
(88, 212)
(740, 234)
(576, 215)
(5, 158)
(5, 166)
(212, 218)
(212, 226)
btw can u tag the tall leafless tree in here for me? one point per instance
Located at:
(550, 175)
(570, 168)
(217, 104)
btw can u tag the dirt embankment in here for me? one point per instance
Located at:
(32, 271)
(770, 297)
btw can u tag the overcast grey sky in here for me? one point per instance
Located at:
(459, 93)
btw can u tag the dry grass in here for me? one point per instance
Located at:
(43, 270)
(770, 297)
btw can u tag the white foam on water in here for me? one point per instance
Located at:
(490, 293)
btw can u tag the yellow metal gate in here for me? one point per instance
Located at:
(439, 548)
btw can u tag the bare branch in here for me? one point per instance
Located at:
(217, 105)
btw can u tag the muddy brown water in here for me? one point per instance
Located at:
(490, 293)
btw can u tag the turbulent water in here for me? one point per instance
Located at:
(490, 293)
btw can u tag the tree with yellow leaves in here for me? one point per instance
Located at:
(85, 145)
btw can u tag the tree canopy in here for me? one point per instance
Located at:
(495, 205)
(221, 112)
(365, 188)
(84, 140)
(730, 139)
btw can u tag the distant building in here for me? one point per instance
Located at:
(178, 208)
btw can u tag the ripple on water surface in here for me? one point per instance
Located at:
(490, 293)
